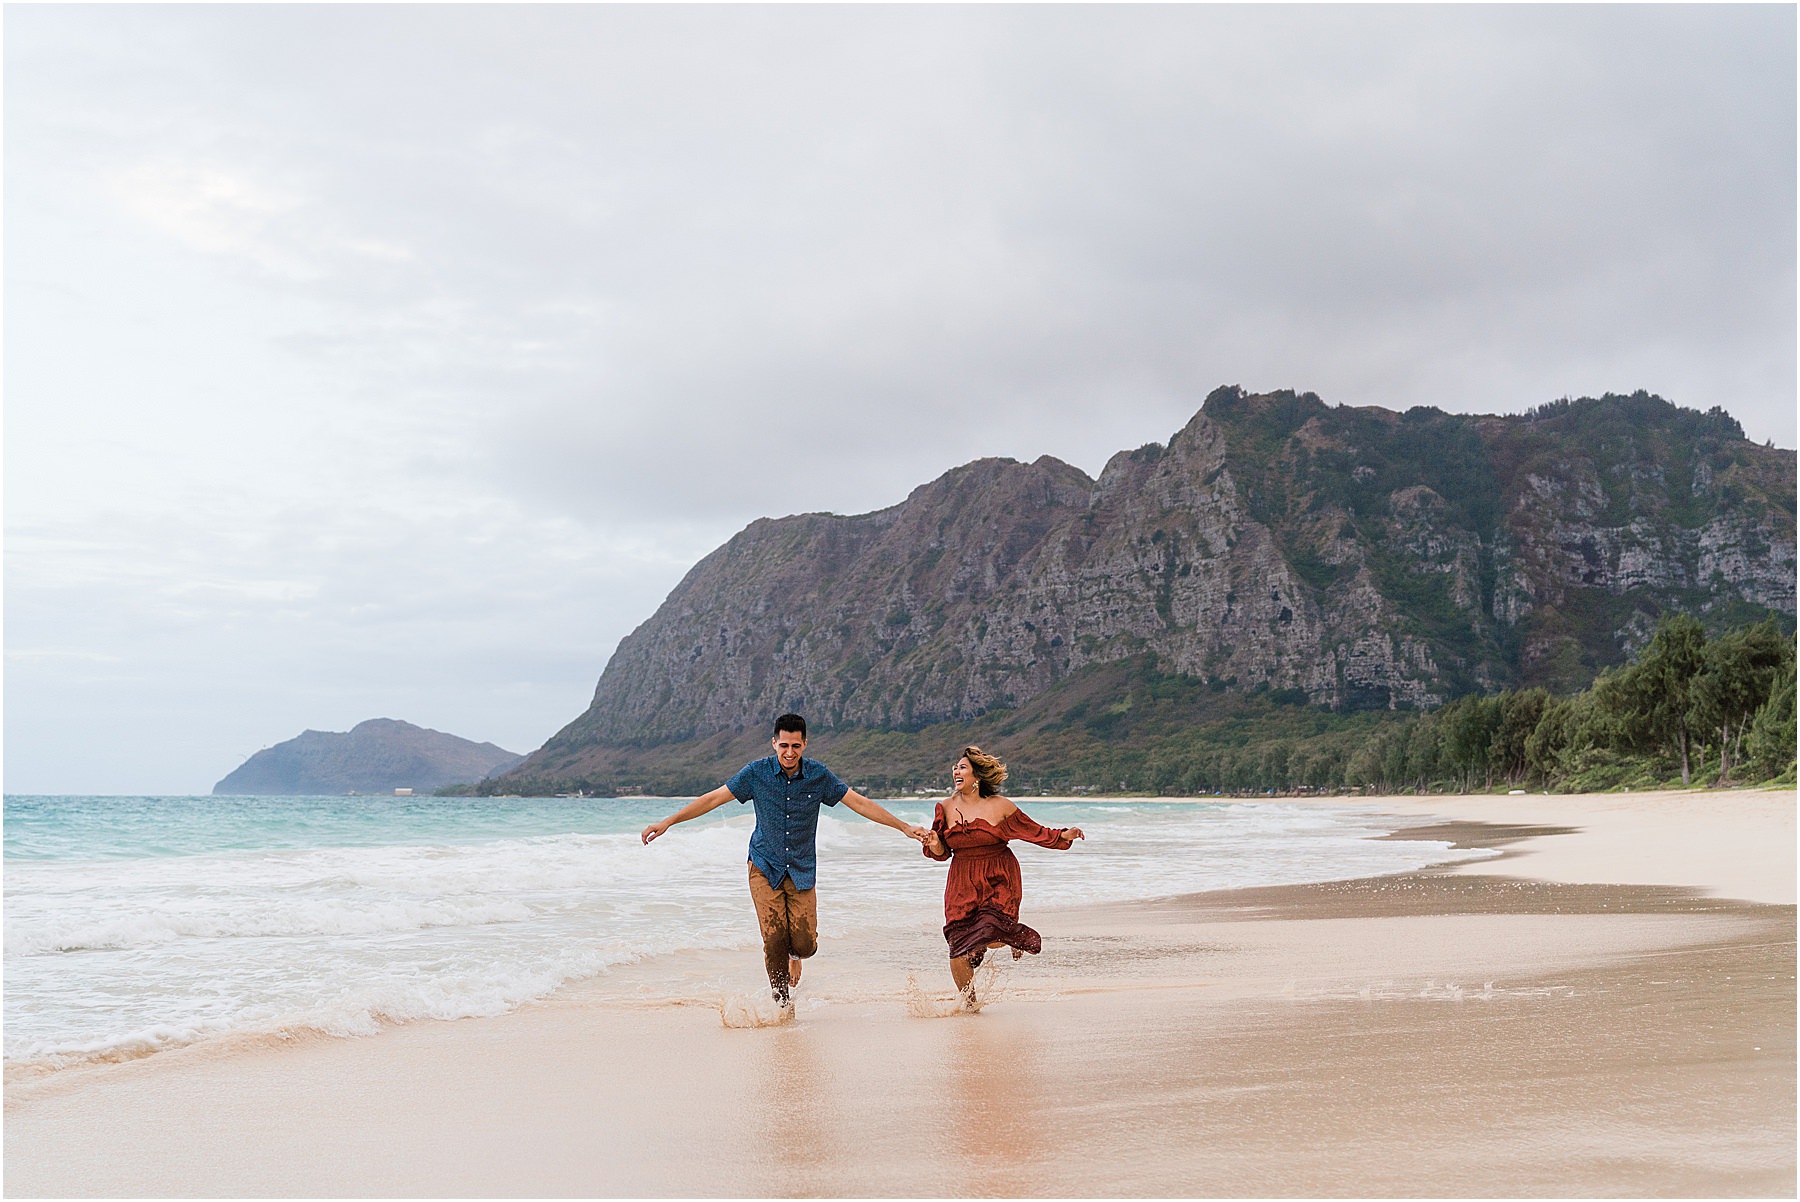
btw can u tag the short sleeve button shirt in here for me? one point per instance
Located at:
(787, 816)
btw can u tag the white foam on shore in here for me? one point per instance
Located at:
(125, 956)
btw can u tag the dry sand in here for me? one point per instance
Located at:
(1608, 1011)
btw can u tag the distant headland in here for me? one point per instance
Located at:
(377, 756)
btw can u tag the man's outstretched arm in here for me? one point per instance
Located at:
(695, 808)
(874, 813)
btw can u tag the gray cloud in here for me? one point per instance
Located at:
(346, 298)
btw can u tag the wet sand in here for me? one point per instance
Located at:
(1474, 1032)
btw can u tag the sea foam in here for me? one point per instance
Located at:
(144, 924)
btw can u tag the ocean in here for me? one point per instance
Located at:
(136, 924)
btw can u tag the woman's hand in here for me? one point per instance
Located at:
(1073, 833)
(934, 843)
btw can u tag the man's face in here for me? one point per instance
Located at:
(788, 746)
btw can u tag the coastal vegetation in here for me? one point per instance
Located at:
(1722, 703)
(1690, 709)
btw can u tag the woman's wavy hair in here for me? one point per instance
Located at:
(990, 773)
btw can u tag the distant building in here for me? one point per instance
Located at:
(402, 792)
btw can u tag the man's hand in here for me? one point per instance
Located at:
(874, 813)
(693, 809)
(920, 833)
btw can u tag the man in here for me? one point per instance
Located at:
(787, 790)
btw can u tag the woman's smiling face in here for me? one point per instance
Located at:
(962, 774)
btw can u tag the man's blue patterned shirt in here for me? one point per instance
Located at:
(787, 816)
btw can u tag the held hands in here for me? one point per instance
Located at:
(657, 829)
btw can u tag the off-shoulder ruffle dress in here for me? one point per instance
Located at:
(981, 895)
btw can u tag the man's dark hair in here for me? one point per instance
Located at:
(790, 722)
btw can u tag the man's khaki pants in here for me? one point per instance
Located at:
(789, 918)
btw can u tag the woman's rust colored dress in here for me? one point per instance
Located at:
(981, 896)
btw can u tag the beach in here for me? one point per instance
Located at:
(1606, 1008)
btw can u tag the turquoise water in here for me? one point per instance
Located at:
(135, 924)
(52, 828)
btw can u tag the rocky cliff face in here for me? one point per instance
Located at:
(377, 756)
(1364, 558)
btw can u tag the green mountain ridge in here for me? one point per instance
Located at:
(1280, 560)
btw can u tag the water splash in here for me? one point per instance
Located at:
(739, 1010)
(920, 1004)
(988, 988)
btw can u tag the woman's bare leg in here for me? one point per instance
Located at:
(963, 973)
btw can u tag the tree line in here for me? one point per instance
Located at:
(1690, 708)
(1717, 710)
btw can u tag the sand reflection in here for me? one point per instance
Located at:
(794, 1130)
(993, 1070)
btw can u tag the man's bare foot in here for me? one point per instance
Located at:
(793, 971)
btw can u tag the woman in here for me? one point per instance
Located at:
(981, 896)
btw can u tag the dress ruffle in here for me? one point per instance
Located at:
(971, 936)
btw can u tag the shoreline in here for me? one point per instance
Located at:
(1726, 843)
(883, 796)
(1385, 1036)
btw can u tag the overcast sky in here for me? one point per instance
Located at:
(396, 361)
